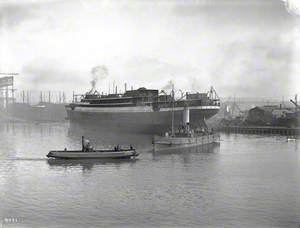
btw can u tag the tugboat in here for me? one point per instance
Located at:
(88, 152)
(185, 136)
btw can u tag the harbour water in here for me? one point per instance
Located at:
(248, 180)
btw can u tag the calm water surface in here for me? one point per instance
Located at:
(248, 180)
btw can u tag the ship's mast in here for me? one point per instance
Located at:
(173, 103)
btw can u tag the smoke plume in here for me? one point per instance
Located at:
(169, 86)
(293, 6)
(98, 73)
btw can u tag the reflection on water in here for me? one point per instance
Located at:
(186, 153)
(247, 180)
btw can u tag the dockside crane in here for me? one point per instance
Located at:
(295, 102)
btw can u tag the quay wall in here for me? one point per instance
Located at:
(261, 130)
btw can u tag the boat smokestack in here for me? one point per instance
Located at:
(125, 85)
(82, 143)
(186, 116)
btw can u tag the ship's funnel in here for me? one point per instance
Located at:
(186, 116)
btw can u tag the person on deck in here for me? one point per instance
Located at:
(87, 146)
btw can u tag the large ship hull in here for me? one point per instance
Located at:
(141, 119)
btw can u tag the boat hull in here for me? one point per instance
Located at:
(93, 154)
(141, 122)
(168, 142)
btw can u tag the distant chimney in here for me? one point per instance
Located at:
(41, 97)
(23, 96)
(60, 97)
(64, 97)
(28, 97)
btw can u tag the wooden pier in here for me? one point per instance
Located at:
(270, 130)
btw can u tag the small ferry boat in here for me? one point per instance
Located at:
(88, 152)
(185, 136)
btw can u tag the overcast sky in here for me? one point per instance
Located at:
(247, 48)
